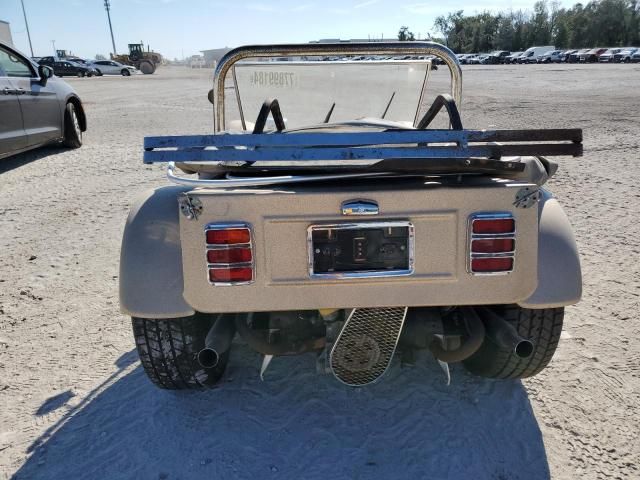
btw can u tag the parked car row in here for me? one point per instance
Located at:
(549, 54)
(78, 67)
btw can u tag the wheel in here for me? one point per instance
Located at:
(542, 327)
(98, 72)
(125, 72)
(80, 74)
(72, 130)
(147, 67)
(168, 350)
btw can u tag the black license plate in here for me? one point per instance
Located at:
(364, 249)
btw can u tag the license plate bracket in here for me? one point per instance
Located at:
(361, 249)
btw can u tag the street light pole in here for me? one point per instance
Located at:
(107, 5)
(27, 24)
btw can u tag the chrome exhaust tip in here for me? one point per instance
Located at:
(208, 358)
(503, 334)
(524, 348)
(217, 342)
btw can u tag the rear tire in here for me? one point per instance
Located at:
(125, 72)
(168, 349)
(80, 74)
(147, 67)
(542, 327)
(98, 72)
(72, 130)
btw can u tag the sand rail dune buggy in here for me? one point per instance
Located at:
(341, 223)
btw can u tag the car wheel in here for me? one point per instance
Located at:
(125, 72)
(72, 130)
(98, 72)
(80, 74)
(542, 327)
(168, 350)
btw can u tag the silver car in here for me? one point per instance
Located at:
(109, 67)
(36, 108)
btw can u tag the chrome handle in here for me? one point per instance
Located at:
(328, 49)
(19, 91)
(8, 91)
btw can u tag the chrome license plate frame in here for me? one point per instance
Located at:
(409, 270)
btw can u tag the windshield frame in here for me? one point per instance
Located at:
(329, 49)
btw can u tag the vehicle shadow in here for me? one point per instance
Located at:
(296, 424)
(22, 159)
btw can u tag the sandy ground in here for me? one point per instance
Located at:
(74, 402)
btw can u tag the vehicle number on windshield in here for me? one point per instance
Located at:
(273, 79)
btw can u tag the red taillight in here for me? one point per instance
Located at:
(492, 264)
(493, 225)
(237, 274)
(231, 255)
(231, 236)
(492, 243)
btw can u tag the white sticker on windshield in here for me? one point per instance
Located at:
(273, 79)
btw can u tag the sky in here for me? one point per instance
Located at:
(181, 28)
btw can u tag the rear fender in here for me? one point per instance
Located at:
(151, 282)
(559, 274)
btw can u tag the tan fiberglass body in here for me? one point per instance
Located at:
(163, 267)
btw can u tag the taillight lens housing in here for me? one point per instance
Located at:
(488, 226)
(229, 254)
(228, 275)
(231, 236)
(492, 243)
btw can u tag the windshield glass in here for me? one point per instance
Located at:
(307, 91)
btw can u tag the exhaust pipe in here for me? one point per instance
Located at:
(476, 331)
(217, 341)
(503, 334)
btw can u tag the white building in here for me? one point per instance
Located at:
(5, 33)
(213, 56)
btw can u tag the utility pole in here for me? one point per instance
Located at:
(27, 24)
(107, 6)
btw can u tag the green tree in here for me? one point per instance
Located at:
(404, 35)
(598, 23)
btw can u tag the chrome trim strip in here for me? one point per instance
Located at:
(232, 182)
(220, 246)
(489, 236)
(328, 49)
(217, 246)
(368, 273)
(229, 265)
(492, 255)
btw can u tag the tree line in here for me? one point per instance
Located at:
(600, 23)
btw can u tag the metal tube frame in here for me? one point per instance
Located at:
(329, 49)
